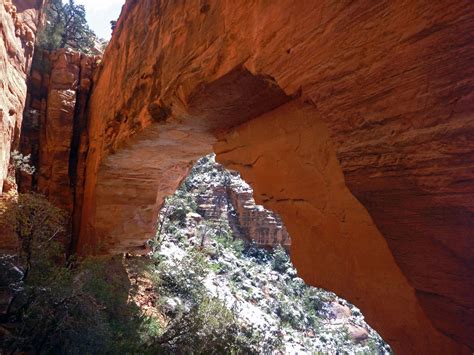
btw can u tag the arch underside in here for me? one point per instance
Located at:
(364, 151)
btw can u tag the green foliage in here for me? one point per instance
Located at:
(113, 24)
(281, 260)
(313, 301)
(172, 217)
(63, 305)
(227, 241)
(287, 315)
(196, 321)
(184, 280)
(208, 327)
(106, 281)
(66, 27)
(178, 215)
(59, 305)
(220, 231)
(38, 225)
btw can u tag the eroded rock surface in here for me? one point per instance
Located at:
(352, 121)
(260, 225)
(369, 165)
(18, 25)
(334, 241)
(54, 131)
(221, 194)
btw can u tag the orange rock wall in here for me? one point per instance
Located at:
(289, 159)
(389, 86)
(54, 130)
(18, 25)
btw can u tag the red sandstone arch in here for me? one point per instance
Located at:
(331, 111)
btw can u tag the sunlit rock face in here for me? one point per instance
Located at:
(18, 25)
(335, 243)
(259, 225)
(353, 121)
(221, 194)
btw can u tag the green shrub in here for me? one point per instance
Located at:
(183, 279)
(40, 226)
(201, 324)
(57, 304)
(208, 327)
(281, 260)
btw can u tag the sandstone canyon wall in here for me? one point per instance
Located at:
(353, 120)
(54, 127)
(18, 25)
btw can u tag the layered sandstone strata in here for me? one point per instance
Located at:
(354, 121)
(18, 25)
(54, 131)
(228, 197)
(256, 224)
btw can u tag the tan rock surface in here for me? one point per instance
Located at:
(18, 25)
(335, 244)
(384, 125)
(17, 35)
(69, 77)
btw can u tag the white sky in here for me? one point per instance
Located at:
(100, 13)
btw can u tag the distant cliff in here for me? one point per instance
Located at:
(223, 194)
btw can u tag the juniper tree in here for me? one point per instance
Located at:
(66, 27)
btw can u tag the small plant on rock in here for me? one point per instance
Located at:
(21, 162)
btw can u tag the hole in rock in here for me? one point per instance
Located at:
(221, 278)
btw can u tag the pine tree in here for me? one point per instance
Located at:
(66, 27)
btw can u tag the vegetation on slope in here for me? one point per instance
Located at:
(272, 308)
(54, 304)
(200, 290)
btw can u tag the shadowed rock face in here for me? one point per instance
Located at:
(54, 128)
(353, 121)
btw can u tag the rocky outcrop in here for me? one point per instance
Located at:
(334, 241)
(352, 120)
(18, 25)
(54, 130)
(256, 223)
(221, 194)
